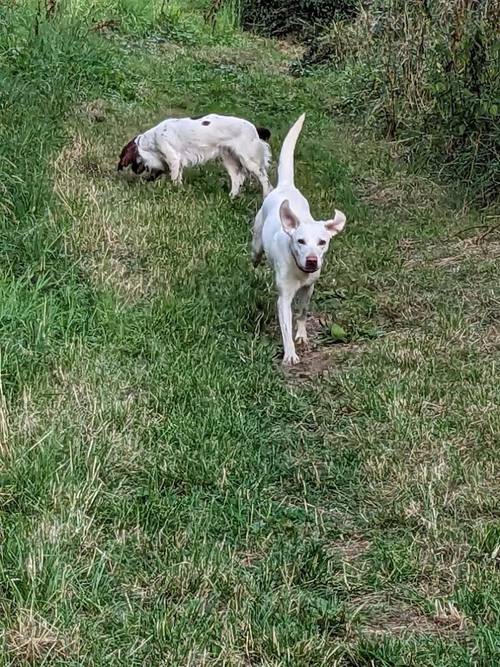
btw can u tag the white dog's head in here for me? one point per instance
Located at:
(309, 240)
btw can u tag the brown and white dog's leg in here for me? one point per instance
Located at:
(235, 171)
(254, 166)
(173, 159)
(176, 174)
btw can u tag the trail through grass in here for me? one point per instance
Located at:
(168, 494)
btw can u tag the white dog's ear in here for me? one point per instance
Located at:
(336, 225)
(289, 220)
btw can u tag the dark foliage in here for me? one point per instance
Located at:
(297, 18)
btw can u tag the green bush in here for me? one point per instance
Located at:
(299, 18)
(425, 74)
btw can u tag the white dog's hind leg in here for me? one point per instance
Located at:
(285, 317)
(303, 299)
(264, 181)
(235, 171)
(261, 175)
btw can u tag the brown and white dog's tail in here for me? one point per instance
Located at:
(263, 133)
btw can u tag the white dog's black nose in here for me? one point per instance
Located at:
(311, 263)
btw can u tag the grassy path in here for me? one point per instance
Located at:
(168, 495)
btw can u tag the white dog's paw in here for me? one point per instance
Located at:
(290, 359)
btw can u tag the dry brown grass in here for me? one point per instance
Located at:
(383, 614)
(34, 640)
(350, 549)
(108, 245)
(4, 425)
(452, 252)
(404, 191)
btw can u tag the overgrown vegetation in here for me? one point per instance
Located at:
(425, 74)
(293, 18)
(167, 494)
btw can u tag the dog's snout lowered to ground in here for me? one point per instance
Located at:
(177, 143)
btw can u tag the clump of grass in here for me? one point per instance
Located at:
(34, 640)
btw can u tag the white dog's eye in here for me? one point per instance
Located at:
(301, 241)
(322, 242)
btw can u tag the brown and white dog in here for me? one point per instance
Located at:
(177, 143)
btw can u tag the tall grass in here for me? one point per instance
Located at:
(51, 61)
(426, 74)
(293, 18)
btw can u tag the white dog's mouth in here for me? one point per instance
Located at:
(310, 267)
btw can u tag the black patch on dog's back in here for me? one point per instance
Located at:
(203, 122)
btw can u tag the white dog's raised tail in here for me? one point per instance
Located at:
(286, 162)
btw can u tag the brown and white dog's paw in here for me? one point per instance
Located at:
(302, 341)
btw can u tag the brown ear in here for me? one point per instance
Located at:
(128, 155)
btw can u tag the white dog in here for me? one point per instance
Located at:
(294, 244)
(183, 142)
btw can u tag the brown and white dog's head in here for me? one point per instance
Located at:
(130, 157)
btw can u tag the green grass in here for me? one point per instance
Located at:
(168, 494)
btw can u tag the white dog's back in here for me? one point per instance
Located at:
(285, 189)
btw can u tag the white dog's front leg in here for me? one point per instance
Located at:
(303, 299)
(174, 164)
(285, 318)
(176, 173)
